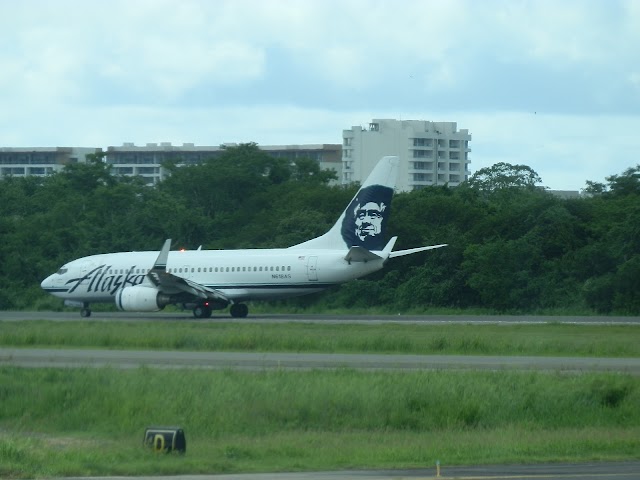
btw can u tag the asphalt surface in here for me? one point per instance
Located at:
(64, 358)
(220, 360)
(595, 471)
(297, 318)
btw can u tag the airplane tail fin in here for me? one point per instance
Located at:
(364, 221)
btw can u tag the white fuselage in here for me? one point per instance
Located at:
(241, 275)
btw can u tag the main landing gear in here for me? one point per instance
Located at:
(202, 311)
(85, 312)
(239, 310)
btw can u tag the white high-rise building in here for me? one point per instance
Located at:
(431, 153)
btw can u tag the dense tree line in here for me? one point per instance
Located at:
(513, 247)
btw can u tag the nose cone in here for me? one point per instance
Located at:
(47, 283)
(53, 284)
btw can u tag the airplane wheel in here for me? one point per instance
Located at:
(202, 311)
(85, 312)
(239, 310)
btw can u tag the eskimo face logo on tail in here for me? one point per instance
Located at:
(366, 217)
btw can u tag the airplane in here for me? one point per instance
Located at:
(207, 280)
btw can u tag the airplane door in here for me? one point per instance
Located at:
(312, 268)
(84, 270)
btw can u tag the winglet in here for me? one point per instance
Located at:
(161, 262)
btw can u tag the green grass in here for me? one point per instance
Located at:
(84, 422)
(56, 422)
(466, 339)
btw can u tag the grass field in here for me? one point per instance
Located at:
(469, 339)
(81, 422)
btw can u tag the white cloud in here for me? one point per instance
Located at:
(290, 71)
(565, 150)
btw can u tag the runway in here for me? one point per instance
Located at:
(66, 358)
(319, 318)
(591, 471)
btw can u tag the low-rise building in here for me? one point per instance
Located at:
(147, 161)
(40, 161)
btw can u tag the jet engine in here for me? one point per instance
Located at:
(139, 298)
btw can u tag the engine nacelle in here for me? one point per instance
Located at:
(141, 299)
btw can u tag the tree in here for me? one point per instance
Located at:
(626, 184)
(308, 170)
(505, 273)
(502, 176)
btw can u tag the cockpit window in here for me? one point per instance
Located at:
(62, 271)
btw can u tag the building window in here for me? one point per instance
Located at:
(422, 142)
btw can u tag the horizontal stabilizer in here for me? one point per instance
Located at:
(401, 253)
(360, 254)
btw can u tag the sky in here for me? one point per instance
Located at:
(554, 85)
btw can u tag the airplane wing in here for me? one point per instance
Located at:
(167, 282)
